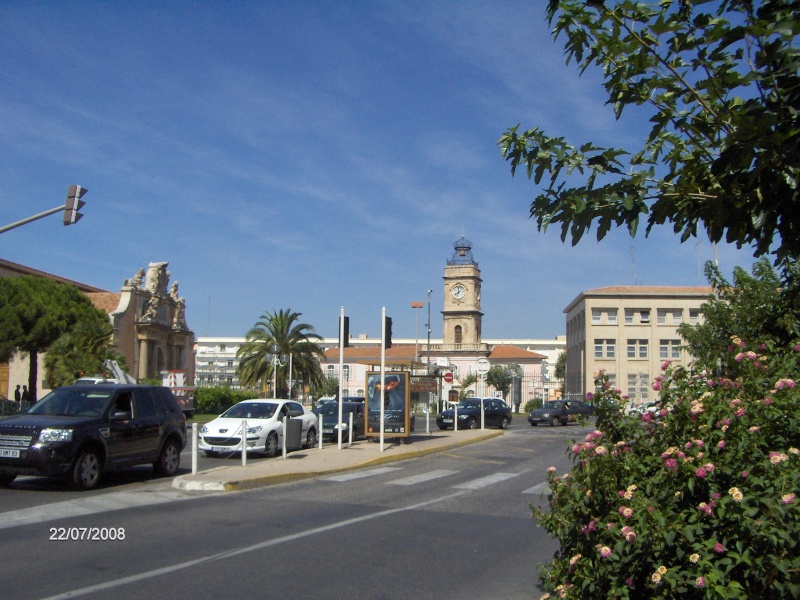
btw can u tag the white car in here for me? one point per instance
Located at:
(264, 422)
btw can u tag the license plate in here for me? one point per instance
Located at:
(447, 420)
(4, 453)
(327, 430)
(223, 448)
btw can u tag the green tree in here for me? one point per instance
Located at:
(720, 83)
(466, 382)
(501, 378)
(282, 331)
(762, 307)
(80, 351)
(327, 387)
(36, 312)
(561, 367)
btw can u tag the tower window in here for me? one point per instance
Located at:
(458, 334)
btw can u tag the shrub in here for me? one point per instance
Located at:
(216, 400)
(700, 500)
(532, 404)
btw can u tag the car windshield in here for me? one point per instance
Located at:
(333, 409)
(552, 405)
(469, 403)
(69, 402)
(250, 410)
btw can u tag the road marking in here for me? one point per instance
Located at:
(359, 474)
(414, 479)
(477, 484)
(101, 587)
(539, 488)
(86, 506)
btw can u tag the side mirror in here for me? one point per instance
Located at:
(121, 415)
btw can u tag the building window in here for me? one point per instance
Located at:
(230, 363)
(222, 347)
(670, 316)
(628, 316)
(612, 316)
(634, 316)
(638, 388)
(605, 348)
(346, 372)
(669, 349)
(694, 316)
(637, 348)
(458, 334)
(596, 314)
(330, 372)
(644, 316)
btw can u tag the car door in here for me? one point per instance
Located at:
(121, 441)
(147, 421)
(492, 409)
(297, 408)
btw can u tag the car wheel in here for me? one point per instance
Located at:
(554, 422)
(7, 478)
(271, 445)
(534, 424)
(311, 437)
(87, 470)
(442, 427)
(472, 424)
(169, 460)
(504, 423)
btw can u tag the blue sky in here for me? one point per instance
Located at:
(306, 155)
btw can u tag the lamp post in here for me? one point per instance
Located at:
(276, 359)
(416, 305)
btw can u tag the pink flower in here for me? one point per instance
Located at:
(700, 472)
(626, 512)
(605, 551)
(718, 548)
(745, 474)
(656, 385)
(721, 444)
(787, 498)
(700, 582)
(671, 463)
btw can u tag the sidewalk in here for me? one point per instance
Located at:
(312, 462)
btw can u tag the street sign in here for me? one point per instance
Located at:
(483, 366)
(448, 377)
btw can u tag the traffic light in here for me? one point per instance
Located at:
(74, 204)
(345, 331)
(388, 331)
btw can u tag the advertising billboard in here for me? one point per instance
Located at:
(395, 397)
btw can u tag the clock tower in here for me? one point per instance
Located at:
(462, 314)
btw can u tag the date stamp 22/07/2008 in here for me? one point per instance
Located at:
(90, 534)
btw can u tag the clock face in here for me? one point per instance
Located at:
(459, 291)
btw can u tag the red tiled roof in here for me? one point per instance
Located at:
(105, 301)
(503, 351)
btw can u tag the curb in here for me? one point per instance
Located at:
(186, 482)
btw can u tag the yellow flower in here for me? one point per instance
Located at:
(662, 569)
(736, 494)
(694, 557)
(656, 577)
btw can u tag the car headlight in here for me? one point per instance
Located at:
(463, 416)
(255, 429)
(545, 415)
(55, 435)
(203, 429)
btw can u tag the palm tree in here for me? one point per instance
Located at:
(279, 333)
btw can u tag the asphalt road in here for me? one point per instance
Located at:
(451, 525)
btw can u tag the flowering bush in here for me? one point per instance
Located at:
(699, 500)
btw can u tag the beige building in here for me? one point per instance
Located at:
(149, 321)
(629, 331)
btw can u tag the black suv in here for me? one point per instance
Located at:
(329, 416)
(80, 431)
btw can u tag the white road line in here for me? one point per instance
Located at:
(477, 484)
(359, 474)
(539, 488)
(414, 479)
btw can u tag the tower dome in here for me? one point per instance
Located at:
(462, 253)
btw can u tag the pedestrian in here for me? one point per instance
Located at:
(26, 397)
(17, 395)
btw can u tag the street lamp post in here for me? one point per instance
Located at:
(276, 359)
(416, 305)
